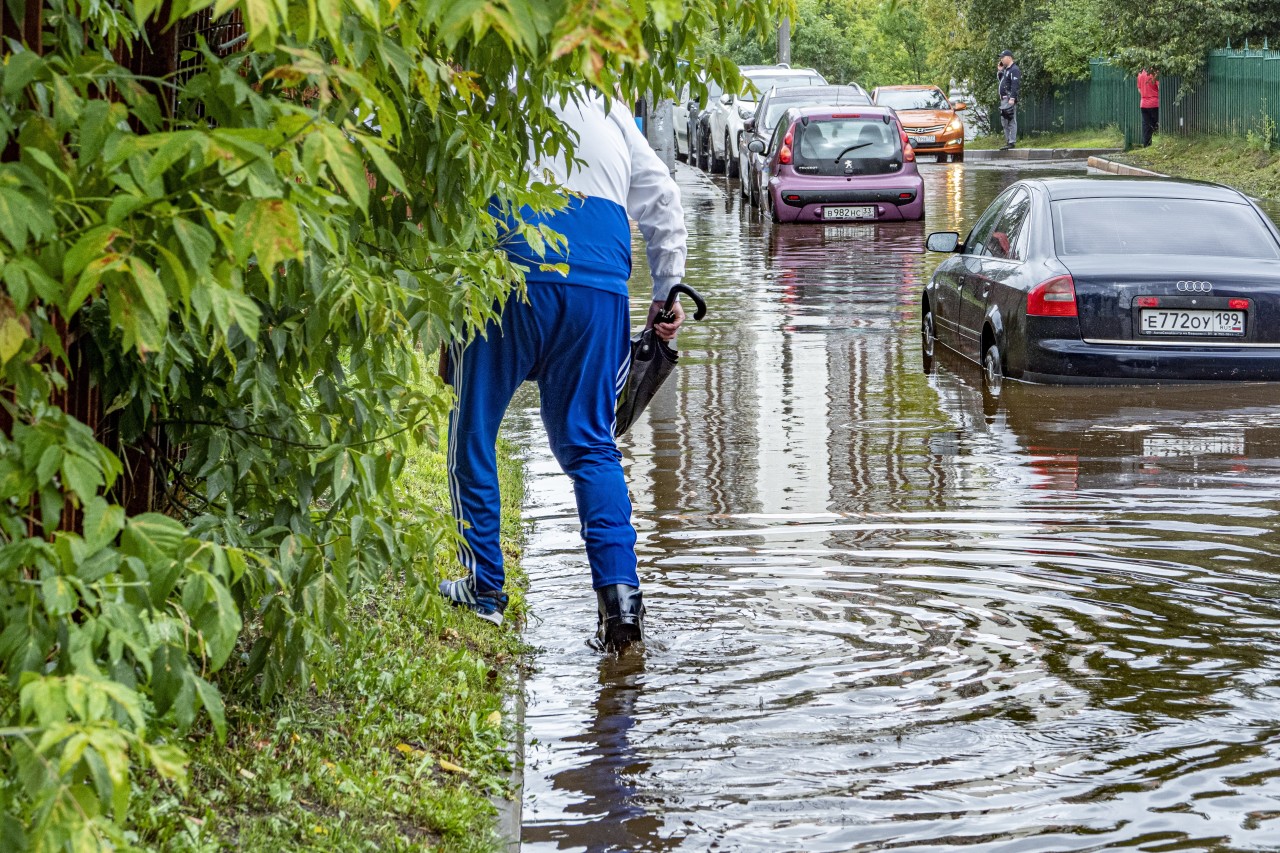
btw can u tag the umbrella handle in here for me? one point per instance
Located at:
(666, 316)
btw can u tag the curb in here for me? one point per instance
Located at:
(511, 807)
(1037, 153)
(1102, 164)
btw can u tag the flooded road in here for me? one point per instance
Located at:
(889, 613)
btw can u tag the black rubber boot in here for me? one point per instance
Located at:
(621, 616)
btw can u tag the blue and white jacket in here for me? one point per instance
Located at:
(619, 176)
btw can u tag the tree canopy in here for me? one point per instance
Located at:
(879, 42)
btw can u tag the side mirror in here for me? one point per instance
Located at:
(756, 146)
(942, 241)
(749, 125)
(726, 99)
(960, 107)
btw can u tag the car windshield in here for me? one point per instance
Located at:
(765, 82)
(845, 145)
(1160, 226)
(912, 99)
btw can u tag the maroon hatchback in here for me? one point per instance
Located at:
(839, 164)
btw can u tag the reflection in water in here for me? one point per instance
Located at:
(617, 818)
(888, 612)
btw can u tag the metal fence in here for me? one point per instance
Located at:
(1238, 92)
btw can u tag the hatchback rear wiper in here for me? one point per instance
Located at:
(851, 148)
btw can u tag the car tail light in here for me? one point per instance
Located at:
(909, 154)
(784, 156)
(846, 115)
(1053, 298)
(1238, 304)
(1148, 302)
(907, 196)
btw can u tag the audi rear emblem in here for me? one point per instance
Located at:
(1195, 286)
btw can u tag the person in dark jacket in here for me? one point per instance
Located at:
(1149, 92)
(1010, 81)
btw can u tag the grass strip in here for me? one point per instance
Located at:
(1230, 160)
(400, 749)
(1107, 137)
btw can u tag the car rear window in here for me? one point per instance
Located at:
(1160, 226)
(780, 81)
(847, 146)
(912, 99)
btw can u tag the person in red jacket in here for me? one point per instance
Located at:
(1149, 91)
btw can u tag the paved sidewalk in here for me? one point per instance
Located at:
(1102, 164)
(1037, 153)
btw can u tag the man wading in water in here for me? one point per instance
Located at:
(573, 338)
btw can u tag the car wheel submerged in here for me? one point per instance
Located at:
(754, 193)
(730, 159)
(704, 159)
(928, 339)
(675, 145)
(992, 369)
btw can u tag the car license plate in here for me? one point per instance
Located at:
(843, 232)
(1182, 321)
(924, 140)
(848, 213)
(1209, 445)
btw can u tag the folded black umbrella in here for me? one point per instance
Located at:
(652, 360)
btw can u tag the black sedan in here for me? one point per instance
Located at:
(1111, 280)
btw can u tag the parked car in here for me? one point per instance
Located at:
(1125, 280)
(727, 113)
(930, 119)
(686, 111)
(772, 105)
(839, 164)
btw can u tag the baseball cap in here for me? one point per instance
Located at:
(1007, 53)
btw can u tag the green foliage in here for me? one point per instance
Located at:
(412, 693)
(1106, 137)
(1222, 159)
(870, 42)
(249, 255)
(1262, 136)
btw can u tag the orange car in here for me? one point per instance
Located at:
(927, 116)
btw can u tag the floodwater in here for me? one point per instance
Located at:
(889, 613)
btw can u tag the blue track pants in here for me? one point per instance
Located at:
(574, 342)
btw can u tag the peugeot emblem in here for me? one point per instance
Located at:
(1195, 286)
(848, 167)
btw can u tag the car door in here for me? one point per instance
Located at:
(750, 161)
(680, 117)
(951, 278)
(998, 259)
(770, 156)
